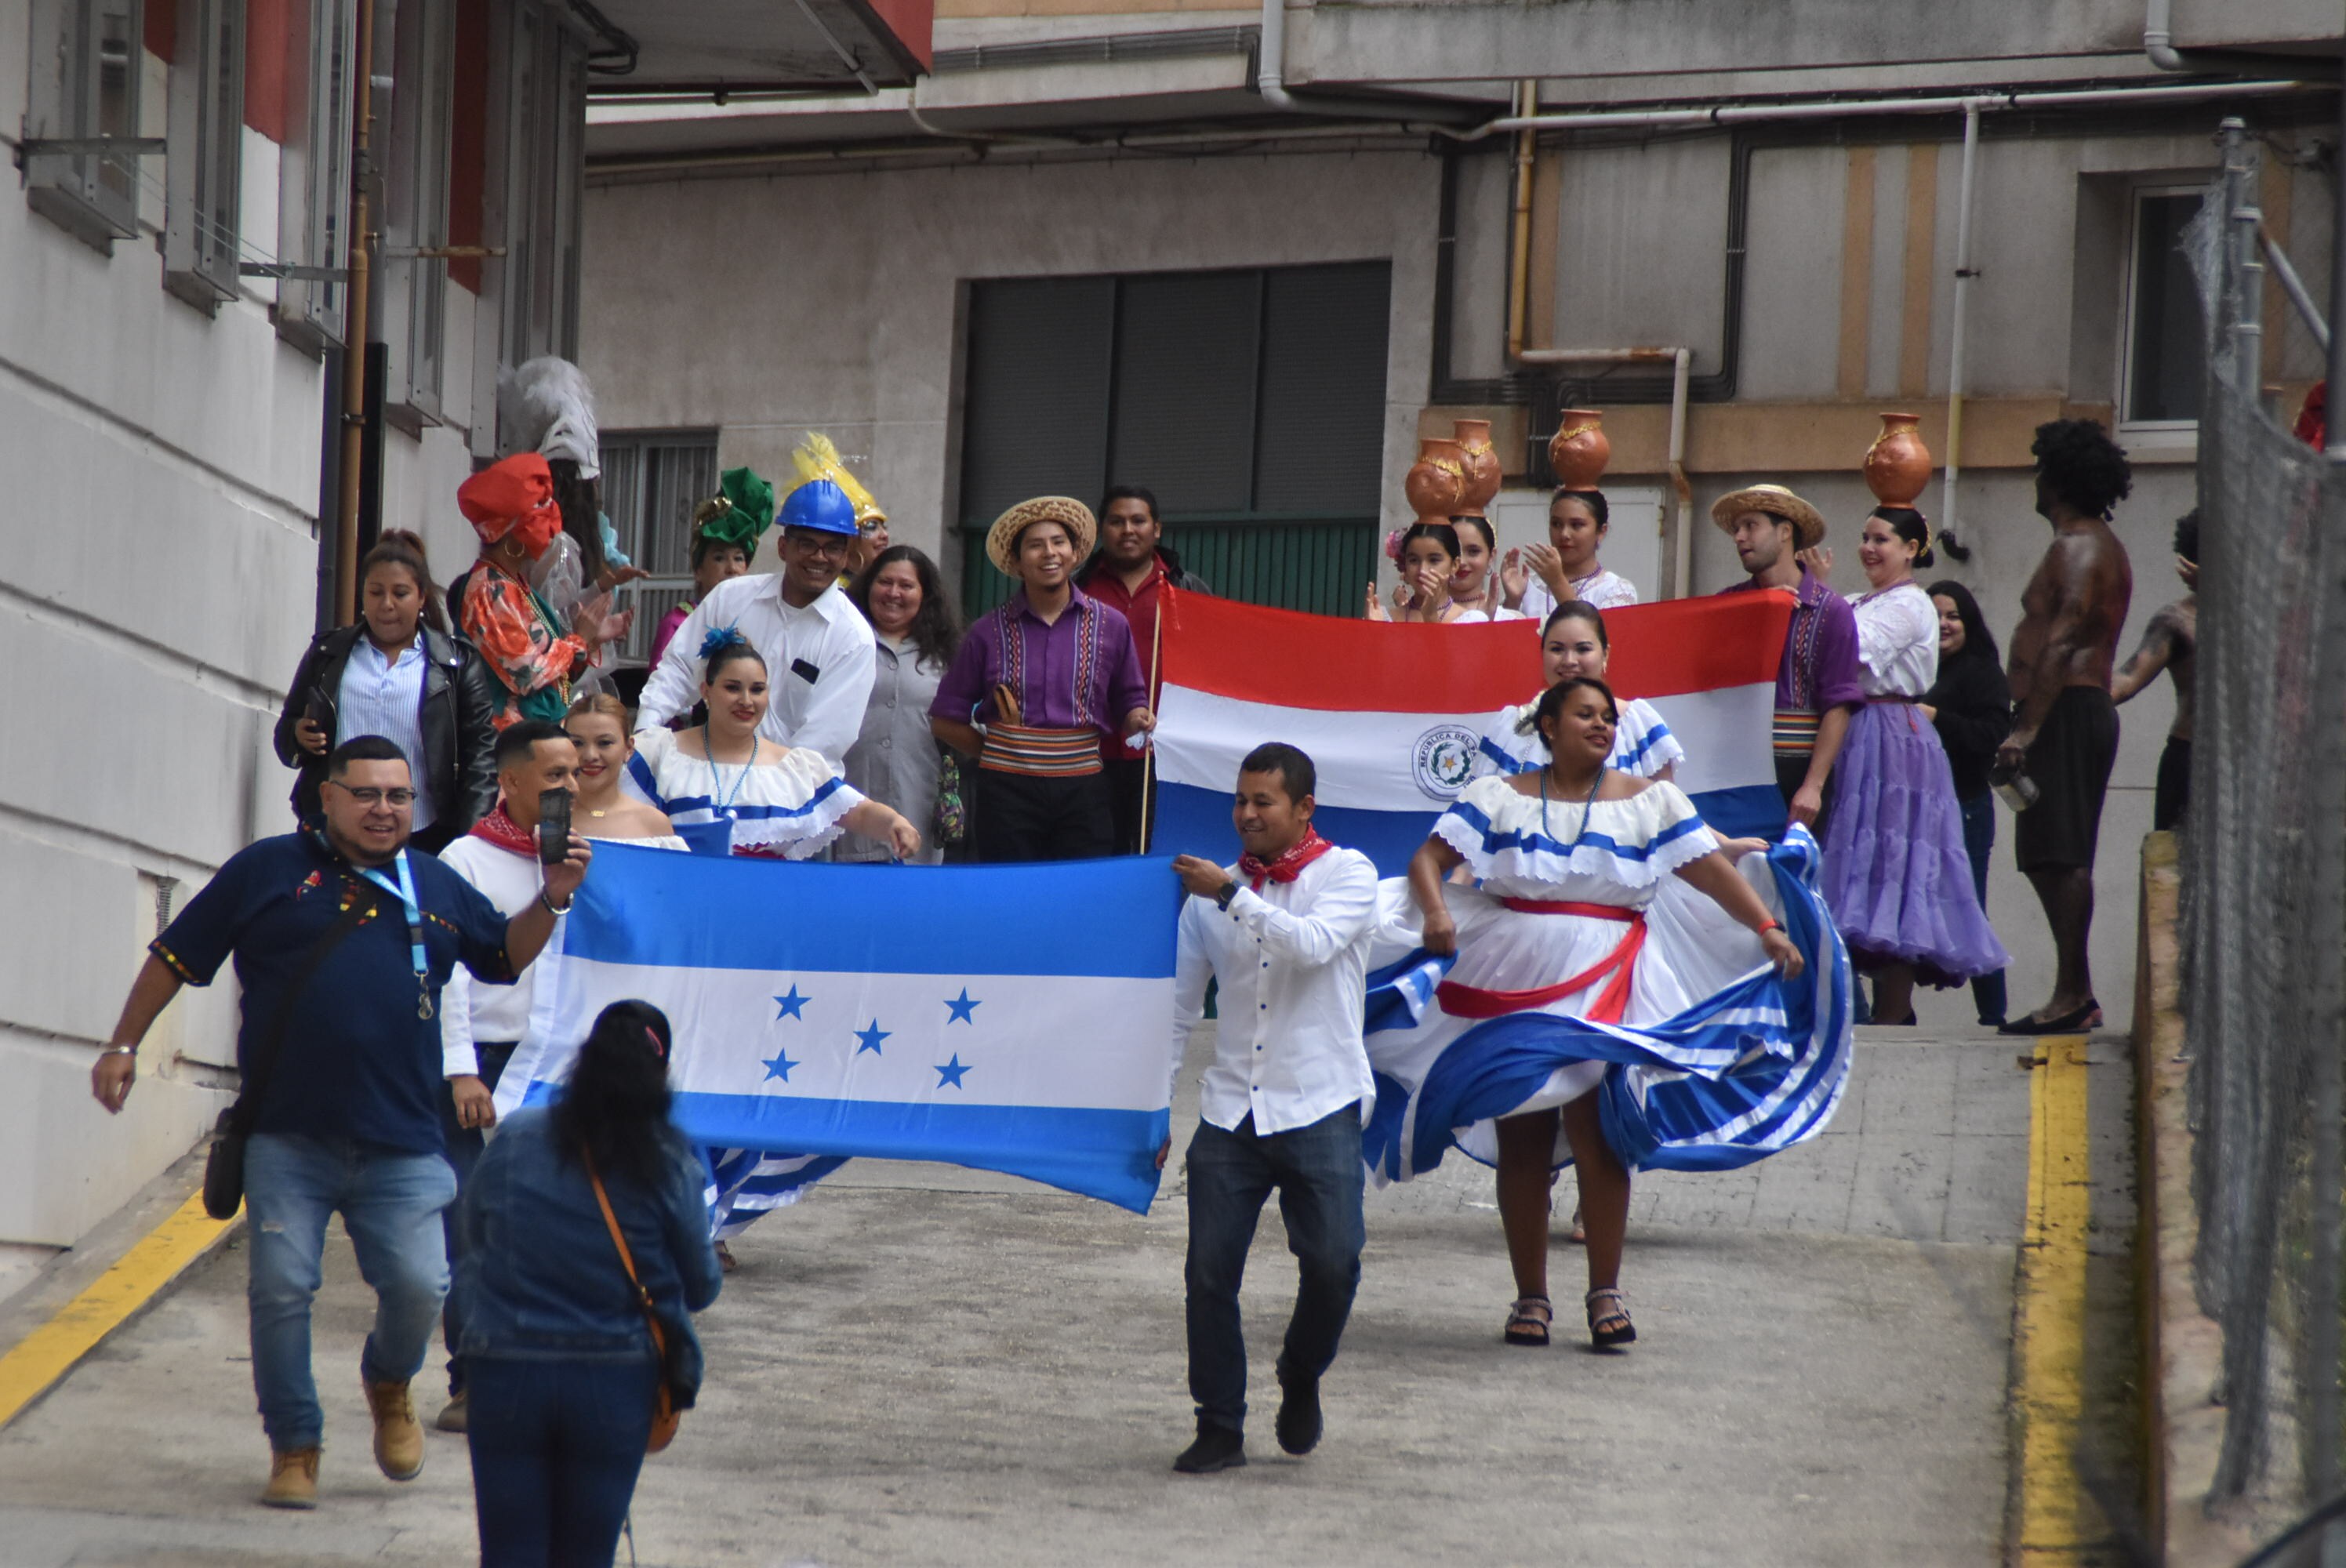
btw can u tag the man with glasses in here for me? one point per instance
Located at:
(343, 941)
(816, 644)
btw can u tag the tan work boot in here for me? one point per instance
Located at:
(398, 1437)
(293, 1479)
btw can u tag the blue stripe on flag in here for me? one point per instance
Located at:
(1112, 918)
(1191, 820)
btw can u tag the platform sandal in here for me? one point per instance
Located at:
(1609, 1319)
(1527, 1322)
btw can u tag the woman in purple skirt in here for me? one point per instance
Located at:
(1895, 872)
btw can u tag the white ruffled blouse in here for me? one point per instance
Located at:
(789, 809)
(1608, 851)
(1642, 743)
(1897, 642)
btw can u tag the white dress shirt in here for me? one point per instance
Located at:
(473, 1010)
(1897, 642)
(381, 697)
(819, 663)
(1292, 961)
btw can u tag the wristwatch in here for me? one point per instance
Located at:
(1222, 900)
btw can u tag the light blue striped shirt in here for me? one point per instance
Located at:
(379, 697)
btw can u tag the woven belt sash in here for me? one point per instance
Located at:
(1040, 753)
(1621, 964)
(1795, 733)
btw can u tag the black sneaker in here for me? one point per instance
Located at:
(1217, 1448)
(1300, 1426)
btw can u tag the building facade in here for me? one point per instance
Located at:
(1173, 245)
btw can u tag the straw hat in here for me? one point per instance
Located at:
(1001, 539)
(1808, 524)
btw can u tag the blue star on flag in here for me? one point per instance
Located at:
(778, 1065)
(960, 1009)
(791, 1003)
(871, 1038)
(948, 1072)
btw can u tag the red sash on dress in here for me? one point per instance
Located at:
(1611, 1004)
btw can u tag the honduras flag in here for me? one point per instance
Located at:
(1012, 1018)
(1392, 715)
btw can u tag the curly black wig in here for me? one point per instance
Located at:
(2081, 465)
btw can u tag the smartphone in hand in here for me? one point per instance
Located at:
(554, 827)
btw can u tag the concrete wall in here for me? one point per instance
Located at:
(157, 560)
(765, 307)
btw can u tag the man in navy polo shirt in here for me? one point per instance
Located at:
(349, 1119)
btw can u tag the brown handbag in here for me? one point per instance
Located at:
(667, 1414)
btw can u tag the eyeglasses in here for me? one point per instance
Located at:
(815, 543)
(372, 795)
(870, 530)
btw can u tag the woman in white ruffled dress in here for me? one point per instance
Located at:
(1557, 985)
(729, 792)
(1573, 643)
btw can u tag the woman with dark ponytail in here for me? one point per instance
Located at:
(561, 1370)
(1896, 873)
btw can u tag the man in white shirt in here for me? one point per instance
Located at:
(1286, 933)
(816, 644)
(480, 1023)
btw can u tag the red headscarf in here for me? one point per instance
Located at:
(513, 497)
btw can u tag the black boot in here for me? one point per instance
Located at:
(1300, 1425)
(1218, 1448)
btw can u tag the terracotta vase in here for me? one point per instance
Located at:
(1436, 485)
(1898, 465)
(1484, 468)
(1579, 450)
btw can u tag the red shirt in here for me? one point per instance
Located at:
(1140, 610)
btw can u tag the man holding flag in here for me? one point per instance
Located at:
(1286, 933)
(1132, 575)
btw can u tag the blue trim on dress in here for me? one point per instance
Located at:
(1540, 844)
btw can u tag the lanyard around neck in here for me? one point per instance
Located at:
(404, 891)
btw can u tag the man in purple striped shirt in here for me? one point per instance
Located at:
(1035, 683)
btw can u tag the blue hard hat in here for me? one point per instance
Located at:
(820, 505)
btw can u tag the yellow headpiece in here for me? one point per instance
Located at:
(818, 458)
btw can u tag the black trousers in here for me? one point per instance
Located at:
(1317, 1173)
(465, 1146)
(1022, 817)
(2171, 799)
(1131, 787)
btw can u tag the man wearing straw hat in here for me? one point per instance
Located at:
(1816, 686)
(1036, 683)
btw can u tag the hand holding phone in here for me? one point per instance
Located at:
(553, 827)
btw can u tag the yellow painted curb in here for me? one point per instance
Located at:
(34, 1363)
(2058, 1523)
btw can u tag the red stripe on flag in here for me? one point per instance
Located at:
(1287, 659)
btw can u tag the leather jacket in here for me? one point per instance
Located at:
(459, 696)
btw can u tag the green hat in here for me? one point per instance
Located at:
(740, 512)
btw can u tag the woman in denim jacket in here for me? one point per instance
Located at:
(562, 1369)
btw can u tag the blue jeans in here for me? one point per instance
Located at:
(556, 1445)
(465, 1146)
(1979, 838)
(1318, 1174)
(390, 1203)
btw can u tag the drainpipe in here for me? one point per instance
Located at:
(1681, 366)
(1856, 108)
(1519, 253)
(2158, 48)
(1963, 272)
(354, 325)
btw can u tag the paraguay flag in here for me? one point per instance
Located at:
(1013, 1018)
(1392, 715)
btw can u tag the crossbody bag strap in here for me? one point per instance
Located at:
(627, 1258)
(271, 1043)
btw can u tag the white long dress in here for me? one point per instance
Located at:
(1709, 1058)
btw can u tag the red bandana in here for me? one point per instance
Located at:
(505, 833)
(1289, 864)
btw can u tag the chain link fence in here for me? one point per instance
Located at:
(2264, 860)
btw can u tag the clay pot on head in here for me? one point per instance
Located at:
(1579, 450)
(1898, 465)
(1436, 485)
(1484, 468)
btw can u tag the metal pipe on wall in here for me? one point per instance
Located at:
(1851, 109)
(2335, 442)
(2158, 48)
(354, 326)
(1949, 503)
(1519, 249)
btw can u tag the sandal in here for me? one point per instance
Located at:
(1609, 1319)
(1527, 1322)
(724, 1263)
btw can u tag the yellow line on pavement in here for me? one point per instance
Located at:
(2058, 1523)
(34, 1363)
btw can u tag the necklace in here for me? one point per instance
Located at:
(724, 797)
(1587, 810)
